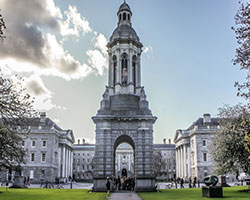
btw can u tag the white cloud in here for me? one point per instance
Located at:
(147, 49)
(42, 96)
(74, 23)
(97, 60)
(28, 48)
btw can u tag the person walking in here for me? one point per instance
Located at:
(182, 182)
(108, 186)
(194, 182)
(190, 182)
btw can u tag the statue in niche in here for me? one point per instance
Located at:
(124, 76)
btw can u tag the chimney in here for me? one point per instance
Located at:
(83, 141)
(206, 118)
(43, 117)
(164, 141)
(169, 141)
(78, 141)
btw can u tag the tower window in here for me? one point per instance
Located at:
(120, 17)
(204, 156)
(114, 69)
(134, 70)
(124, 70)
(128, 17)
(124, 16)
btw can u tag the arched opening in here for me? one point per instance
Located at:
(120, 17)
(124, 163)
(134, 71)
(124, 69)
(114, 70)
(128, 17)
(124, 16)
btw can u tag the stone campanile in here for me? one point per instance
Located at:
(124, 115)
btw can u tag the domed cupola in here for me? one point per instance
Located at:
(124, 31)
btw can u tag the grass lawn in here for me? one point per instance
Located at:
(50, 194)
(192, 194)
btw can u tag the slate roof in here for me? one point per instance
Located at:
(199, 122)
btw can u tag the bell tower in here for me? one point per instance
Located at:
(124, 115)
(124, 49)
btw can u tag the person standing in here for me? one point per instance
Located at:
(108, 186)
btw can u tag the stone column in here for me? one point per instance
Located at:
(130, 68)
(119, 69)
(189, 161)
(184, 160)
(138, 71)
(181, 147)
(177, 163)
(59, 161)
(111, 68)
(63, 162)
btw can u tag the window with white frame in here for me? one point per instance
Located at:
(204, 143)
(44, 143)
(33, 143)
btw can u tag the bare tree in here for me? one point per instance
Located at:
(2, 26)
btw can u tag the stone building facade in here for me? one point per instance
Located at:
(49, 152)
(83, 166)
(124, 115)
(165, 157)
(192, 148)
(83, 161)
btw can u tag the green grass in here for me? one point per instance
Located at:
(231, 193)
(50, 194)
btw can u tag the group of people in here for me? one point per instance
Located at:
(26, 180)
(191, 183)
(120, 183)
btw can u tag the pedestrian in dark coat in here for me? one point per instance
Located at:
(108, 186)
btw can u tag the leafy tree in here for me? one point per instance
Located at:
(159, 163)
(228, 146)
(15, 114)
(242, 57)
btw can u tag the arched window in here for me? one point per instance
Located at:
(124, 16)
(120, 17)
(114, 69)
(134, 70)
(124, 69)
(128, 17)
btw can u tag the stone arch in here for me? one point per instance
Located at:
(123, 138)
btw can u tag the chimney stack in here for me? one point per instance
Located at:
(78, 141)
(206, 118)
(169, 141)
(83, 141)
(164, 141)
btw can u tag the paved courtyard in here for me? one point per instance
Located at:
(124, 196)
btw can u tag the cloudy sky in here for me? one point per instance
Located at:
(59, 47)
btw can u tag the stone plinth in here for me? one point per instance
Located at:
(18, 183)
(212, 192)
